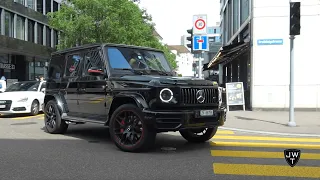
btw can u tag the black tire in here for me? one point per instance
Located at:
(52, 119)
(35, 108)
(146, 135)
(192, 136)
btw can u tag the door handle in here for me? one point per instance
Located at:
(82, 90)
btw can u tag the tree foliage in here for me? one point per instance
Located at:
(105, 21)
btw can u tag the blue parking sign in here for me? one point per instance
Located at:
(200, 43)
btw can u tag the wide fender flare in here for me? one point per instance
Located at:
(61, 102)
(140, 101)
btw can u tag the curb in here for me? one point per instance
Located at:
(268, 132)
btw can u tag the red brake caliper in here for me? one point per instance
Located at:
(122, 129)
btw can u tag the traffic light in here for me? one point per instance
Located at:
(190, 38)
(295, 18)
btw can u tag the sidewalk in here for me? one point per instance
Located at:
(307, 122)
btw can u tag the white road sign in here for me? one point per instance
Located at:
(200, 24)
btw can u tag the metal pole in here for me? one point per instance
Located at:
(200, 64)
(291, 122)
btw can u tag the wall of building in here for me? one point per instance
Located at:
(26, 40)
(184, 62)
(270, 82)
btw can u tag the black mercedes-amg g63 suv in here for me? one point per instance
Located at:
(133, 91)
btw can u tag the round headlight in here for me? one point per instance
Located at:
(166, 95)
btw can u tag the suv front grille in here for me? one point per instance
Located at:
(189, 95)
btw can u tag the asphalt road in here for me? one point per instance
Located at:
(86, 152)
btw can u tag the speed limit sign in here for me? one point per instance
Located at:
(200, 24)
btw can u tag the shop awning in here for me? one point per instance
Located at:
(227, 54)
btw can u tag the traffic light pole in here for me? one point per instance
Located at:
(291, 122)
(200, 64)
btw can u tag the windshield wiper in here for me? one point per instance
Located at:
(135, 71)
(160, 72)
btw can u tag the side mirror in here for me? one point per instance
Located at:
(43, 90)
(95, 71)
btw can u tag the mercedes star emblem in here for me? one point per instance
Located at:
(200, 96)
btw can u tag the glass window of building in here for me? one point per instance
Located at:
(30, 4)
(55, 6)
(31, 30)
(20, 1)
(40, 34)
(20, 27)
(0, 21)
(229, 19)
(210, 30)
(8, 24)
(48, 6)
(244, 8)
(235, 15)
(48, 36)
(40, 6)
(55, 38)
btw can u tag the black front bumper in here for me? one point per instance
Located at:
(164, 121)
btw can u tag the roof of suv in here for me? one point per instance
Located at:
(102, 44)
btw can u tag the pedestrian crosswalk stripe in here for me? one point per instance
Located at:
(225, 132)
(260, 154)
(263, 138)
(266, 170)
(266, 145)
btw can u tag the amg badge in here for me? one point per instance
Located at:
(292, 156)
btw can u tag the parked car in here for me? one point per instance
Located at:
(133, 91)
(23, 97)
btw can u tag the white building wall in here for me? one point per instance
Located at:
(270, 67)
(184, 62)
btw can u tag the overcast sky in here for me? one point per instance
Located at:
(174, 17)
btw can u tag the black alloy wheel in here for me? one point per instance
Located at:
(35, 107)
(198, 135)
(129, 131)
(52, 119)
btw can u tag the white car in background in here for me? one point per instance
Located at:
(23, 97)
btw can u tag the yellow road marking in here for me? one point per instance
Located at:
(26, 117)
(95, 102)
(224, 132)
(264, 138)
(266, 145)
(266, 170)
(260, 154)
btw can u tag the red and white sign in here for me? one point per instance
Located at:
(200, 24)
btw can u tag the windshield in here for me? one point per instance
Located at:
(137, 59)
(23, 86)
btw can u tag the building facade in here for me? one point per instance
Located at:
(26, 40)
(184, 60)
(256, 51)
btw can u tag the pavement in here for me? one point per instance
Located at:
(86, 152)
(307, 122)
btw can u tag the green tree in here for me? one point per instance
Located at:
(106, 21)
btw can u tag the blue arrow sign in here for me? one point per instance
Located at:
(200, 43)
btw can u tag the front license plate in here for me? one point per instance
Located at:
(2, 106)
(206, 113)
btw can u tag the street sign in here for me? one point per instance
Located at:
(269, 42)
(200, 24)
(200, 43)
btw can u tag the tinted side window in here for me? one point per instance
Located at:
(93, 58)
(56, 67)
(43, 85)
(117, 59)
(73, 65)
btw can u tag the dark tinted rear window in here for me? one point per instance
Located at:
(56, 67)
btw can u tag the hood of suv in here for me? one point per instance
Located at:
(186, 81)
